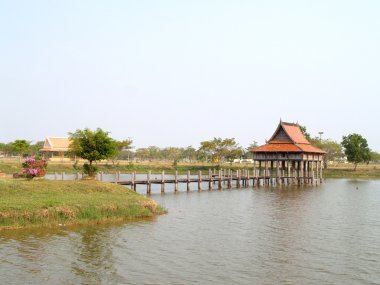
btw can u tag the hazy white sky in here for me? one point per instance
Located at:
(174, 73)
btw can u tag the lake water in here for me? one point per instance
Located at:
(329, 234)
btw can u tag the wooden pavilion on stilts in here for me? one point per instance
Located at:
(288, 157)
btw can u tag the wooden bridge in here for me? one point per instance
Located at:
(241, 178)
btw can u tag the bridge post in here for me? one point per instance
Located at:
(148, 186)
(199, 180)
(188, 180)
(163, 181)
(220, 180)
(176, 181)
(229, 182)
(133, 184)
(209, 179)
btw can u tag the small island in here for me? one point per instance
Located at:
(57, 203)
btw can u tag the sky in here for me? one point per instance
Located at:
(175, 73)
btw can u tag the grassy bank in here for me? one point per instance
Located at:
(370, 172)
(51, 203)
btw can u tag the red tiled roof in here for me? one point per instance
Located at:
(292, 141)
(294, 132)
(277, 147)
(310, 148)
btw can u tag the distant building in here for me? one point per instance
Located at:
(288, 151)
(56, 148)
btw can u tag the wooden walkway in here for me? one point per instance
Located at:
(239, 179)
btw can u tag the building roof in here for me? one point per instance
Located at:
(288, 137)
(56, 144)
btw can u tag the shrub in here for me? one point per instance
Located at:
(89, 169)
(32, 167)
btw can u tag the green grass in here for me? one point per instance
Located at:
(368, 172)
(26, 203)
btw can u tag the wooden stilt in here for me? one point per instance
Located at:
(199, 180)
(176, 181)
(188, 181)
(162, 181)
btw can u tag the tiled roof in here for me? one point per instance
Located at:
(294, 132)
(278, 147)
(288, 137)
(56, 144)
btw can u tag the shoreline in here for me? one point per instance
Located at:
(55, 204)
(333, 171)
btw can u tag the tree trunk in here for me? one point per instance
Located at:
(355, 166)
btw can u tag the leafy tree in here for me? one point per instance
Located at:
(333, 149)
(189, 154)
(123, 147)
(93, 146)
(7, 147)
(247, 151)
(305, 133)
(35, 148)
(375, 156)
(356, 149)
(20, 147)
(219, 150)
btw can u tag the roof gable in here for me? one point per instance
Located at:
(288, 137)
(289, 132)
(56, 144)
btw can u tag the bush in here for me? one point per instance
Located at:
(90, 170)
(32, 167)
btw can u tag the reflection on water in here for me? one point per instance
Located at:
(287, 235)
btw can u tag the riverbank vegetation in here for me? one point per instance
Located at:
(30, 203)
(341, 170)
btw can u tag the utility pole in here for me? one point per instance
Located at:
(320, 135)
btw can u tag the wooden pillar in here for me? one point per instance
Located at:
(176, 181)
(247, 178)
(229, 183)
(237, 178)
(317, 180)
(188, 181)
(162, 181)
(312, 171)
(271, 168)
(209, 179)
(199, 180)
(134, 180)
(260, 168)
(321, 171)
(148, 186)
(220, 180)
(277, 170)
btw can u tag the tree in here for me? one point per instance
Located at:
(247, 151)
(333, 149)
(356, 149)
(375, 156)
(35, 148)
(218, 150)
(305, 133)
(93, 146)
(20, 147)
(124, 146)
